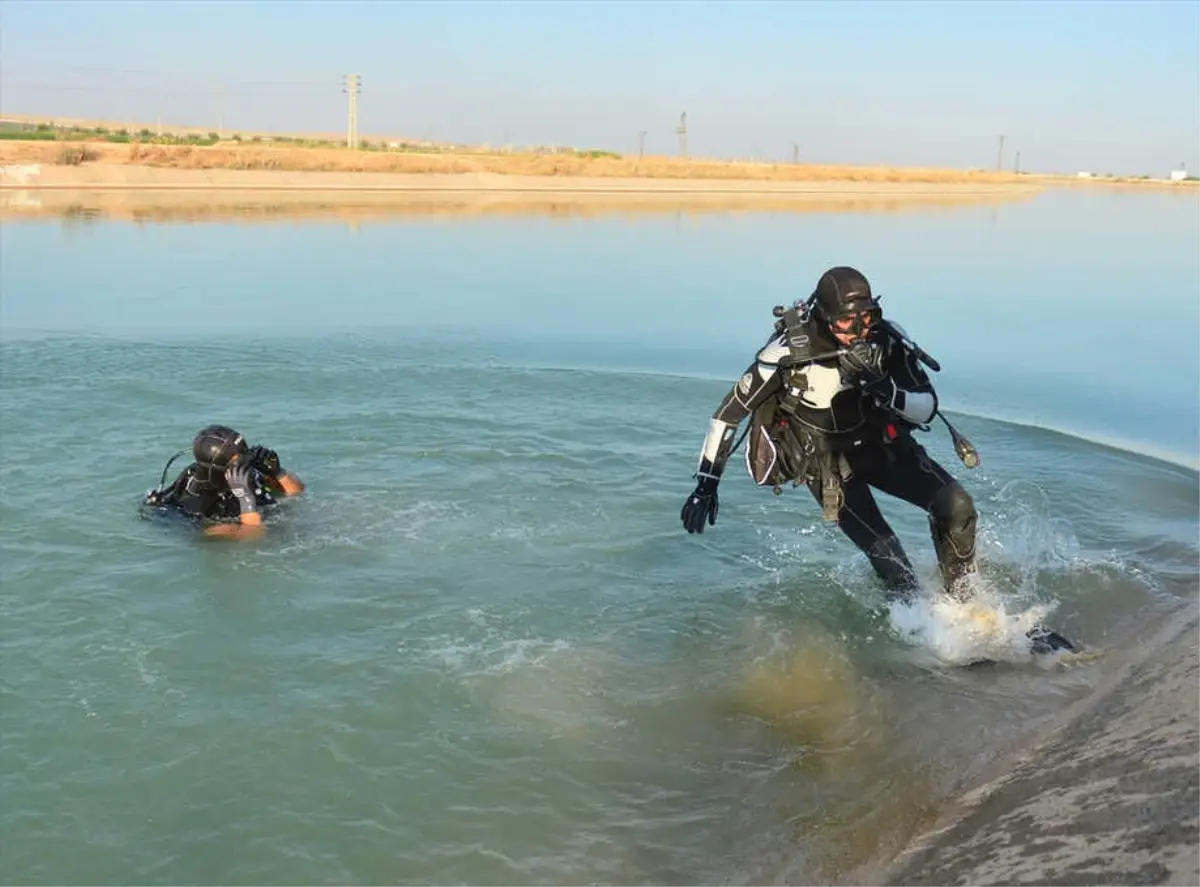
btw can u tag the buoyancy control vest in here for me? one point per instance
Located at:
(195, 495)
(819, 418)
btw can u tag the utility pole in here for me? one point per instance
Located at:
(795, 153)
(1017, 163)
(352, 88)
(641, 144)
(1000, 155)
(220, 113)
(682, 130)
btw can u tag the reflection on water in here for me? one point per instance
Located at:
(244, 205)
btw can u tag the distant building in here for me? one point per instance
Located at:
(1179, 175)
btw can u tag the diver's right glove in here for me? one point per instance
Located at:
(701, 505)
(862, 362)
(240, 476)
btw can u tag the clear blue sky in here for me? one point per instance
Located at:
(1106, 86)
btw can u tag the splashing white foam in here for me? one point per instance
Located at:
(957, 632)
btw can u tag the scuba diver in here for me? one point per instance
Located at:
(228, 487)
(834, 397)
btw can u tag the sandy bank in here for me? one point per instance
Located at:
(1112, 796)
(234, 165)
(241, 156)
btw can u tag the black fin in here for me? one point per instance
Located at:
(1043, 640)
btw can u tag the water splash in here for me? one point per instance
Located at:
(990, 625)
(1004, 600)
(1023, 532)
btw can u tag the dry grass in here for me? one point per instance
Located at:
(274, 158)
(233, 156)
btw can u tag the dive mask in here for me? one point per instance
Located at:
(858, 323)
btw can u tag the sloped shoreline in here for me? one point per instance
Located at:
(1111, 795)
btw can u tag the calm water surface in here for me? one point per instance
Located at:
(481, 649)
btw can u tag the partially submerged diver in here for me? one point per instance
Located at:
(228, 487)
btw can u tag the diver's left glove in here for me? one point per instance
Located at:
(241, 482)
(265, 460)
(701, 505)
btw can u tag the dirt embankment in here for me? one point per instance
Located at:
(233, 156)
(232, 180)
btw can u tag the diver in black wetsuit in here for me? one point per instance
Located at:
(834, 397)
(836, 394)
(228, 486)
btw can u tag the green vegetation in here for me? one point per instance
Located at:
(46, 132)
(50, 133)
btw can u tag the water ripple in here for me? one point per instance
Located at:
(481, 649)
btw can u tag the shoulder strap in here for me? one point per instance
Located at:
(804, 345)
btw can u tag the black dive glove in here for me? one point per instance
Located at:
(701, 505)
(862, 362)
(883, 391)
(862, 365)
(265, 460)
(241, 482)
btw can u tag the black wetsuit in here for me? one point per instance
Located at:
(193, 495)
(813, 423)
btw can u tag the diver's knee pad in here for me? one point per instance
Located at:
(952, 518)
(952, 521)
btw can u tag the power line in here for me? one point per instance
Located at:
(199, 75)
(62, 87)
(181, 90)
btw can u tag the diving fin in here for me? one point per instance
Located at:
(1043, 640)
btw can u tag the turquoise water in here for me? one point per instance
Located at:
(481, 649)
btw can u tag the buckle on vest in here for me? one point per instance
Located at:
(831, 496)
